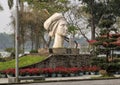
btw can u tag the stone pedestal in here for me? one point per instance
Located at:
(65, 60)
(58, 51)
(43, 51)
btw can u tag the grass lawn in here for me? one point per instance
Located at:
(23, 61)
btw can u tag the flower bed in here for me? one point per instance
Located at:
(48, 72)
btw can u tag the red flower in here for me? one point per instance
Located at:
(64, 70)
(73, 70)
(92, 41)
(29, 71)
(10, 71)
(94, 68)
(48, 70)
(85, 68)
(81, 69)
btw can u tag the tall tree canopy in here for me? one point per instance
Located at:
(90, 12)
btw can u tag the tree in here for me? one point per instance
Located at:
(105, 45)
(51, 5)
(10, 3)
(32, 27)
(25, 23)
(1, 8)
(95, 11)
(76, 19)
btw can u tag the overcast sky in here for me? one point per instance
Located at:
(5, 18)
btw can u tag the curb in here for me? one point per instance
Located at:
(51, 81)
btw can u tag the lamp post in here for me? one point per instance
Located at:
(107, 55)
(16, 44)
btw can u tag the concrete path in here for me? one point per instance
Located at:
(3, 80)
(85, 77)
(87, 82)
(71, 78)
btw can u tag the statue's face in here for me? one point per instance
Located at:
(62, 28)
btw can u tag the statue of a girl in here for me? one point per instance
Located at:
(56, 25)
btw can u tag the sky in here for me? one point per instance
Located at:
(5, 19)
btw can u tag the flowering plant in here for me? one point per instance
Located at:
(62, 70)
(73, 70)
(94, 68)
(47, 70)
(10, 71)
(29, 71)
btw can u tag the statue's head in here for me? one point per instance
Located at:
(56, 24)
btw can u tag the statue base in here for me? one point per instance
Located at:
(58, 51)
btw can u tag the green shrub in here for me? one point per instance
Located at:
(116, 60)
(33, 51)
(97, 60)
(9, 49)
(2, 60)
(110, 67)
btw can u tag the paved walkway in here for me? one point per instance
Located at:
(71, 78)
(86, 82)
(5, 80)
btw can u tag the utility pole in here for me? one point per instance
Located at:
(16, 44)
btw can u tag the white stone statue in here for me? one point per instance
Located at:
(56, 25)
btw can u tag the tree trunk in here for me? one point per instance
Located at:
(92, 21)
(32, 40)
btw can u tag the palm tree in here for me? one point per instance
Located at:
(10, 3)
(1, 8)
